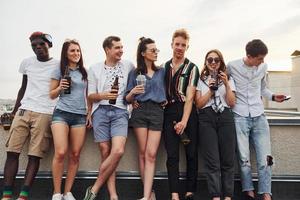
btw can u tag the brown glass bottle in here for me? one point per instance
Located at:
(215, 76)
(184, 138)
(68, 78)
(116, 87)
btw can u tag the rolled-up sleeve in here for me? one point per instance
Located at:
(265, 92)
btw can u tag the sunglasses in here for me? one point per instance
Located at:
(154, 50)
(39, 43)
(71, 40)
(211, 60)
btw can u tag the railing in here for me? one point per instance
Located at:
(282, 113)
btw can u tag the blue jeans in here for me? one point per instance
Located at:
(255, 130)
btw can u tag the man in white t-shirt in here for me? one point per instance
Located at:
(33, 111)
(110, 119)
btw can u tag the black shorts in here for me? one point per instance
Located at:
(149, 115)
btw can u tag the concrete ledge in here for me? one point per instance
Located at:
(285, 140)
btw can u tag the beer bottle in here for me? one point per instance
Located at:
(116, 87)
(184, 138)
(68, 78)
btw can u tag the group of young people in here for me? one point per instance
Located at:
(215, 109)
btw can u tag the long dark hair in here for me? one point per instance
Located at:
(64, 59)
(140, 62)
(205, 71)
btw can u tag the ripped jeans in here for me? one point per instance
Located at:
(255, 130)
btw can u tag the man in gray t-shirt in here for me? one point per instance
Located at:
(251, 124)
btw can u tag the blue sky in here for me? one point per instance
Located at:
(223, 24)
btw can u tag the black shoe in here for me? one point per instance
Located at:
(189, 197)
(247, 197)
(261, 197)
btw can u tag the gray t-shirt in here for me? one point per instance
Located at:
(76, 101)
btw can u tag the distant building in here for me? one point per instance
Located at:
(295, 78)
(288, 83)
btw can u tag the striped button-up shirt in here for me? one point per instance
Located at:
(176, 85)
(250, 83)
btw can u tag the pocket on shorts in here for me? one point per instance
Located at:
(12, 128)
(45, 145)
(45, 129)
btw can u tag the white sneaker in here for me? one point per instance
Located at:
(57, 196)
(69, 196)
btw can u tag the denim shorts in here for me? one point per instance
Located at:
(108, 122)
(149, 115)
(70, 119)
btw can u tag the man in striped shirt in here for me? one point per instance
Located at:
(181, 78)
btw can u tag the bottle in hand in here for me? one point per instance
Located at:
(214, 76)
(184, 138)
(116, 87)
(69, 80)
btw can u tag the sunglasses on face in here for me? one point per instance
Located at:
(154, 50)
(211, 60)
(39, 43)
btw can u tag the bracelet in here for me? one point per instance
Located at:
(273, 97)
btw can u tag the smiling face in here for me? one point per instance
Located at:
(40, 48)
(213, 61)
(151, 52)
(116, 51)
(73, 54)
(179, 46)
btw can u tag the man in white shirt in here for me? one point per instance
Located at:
(251, 124)
(33, 112)
(110, 120)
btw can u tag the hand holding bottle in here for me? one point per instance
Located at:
(66, 82)
(179, 128)
(114, 91)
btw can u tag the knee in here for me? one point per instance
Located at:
(118, 153)
(104, 150)
(74, 157)
(171, 161)
(212, 166)
(142, 155)
(245, 163)
(60, 156)
(267, 162)
(150, 157)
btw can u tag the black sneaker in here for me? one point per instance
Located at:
(247, 197)
(189, 197)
